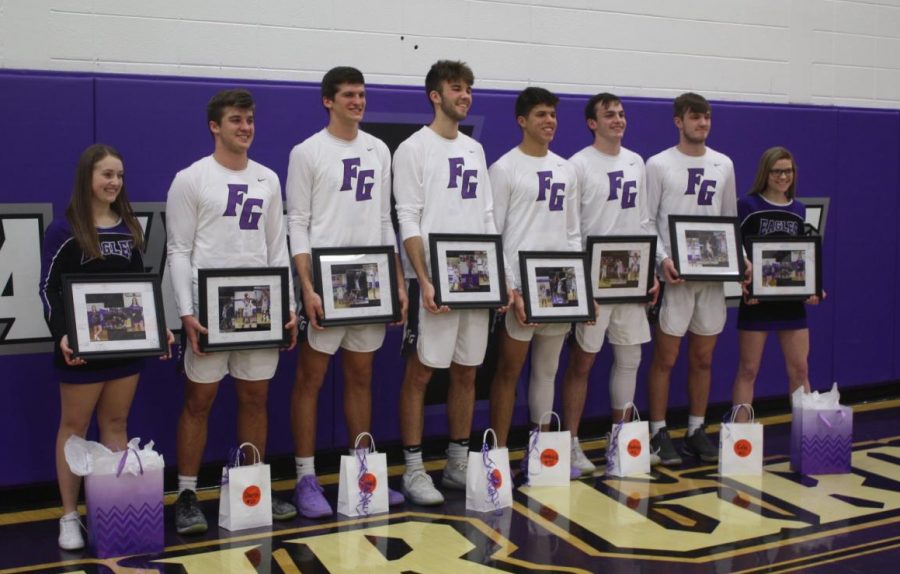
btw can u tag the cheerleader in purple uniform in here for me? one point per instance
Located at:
(99, 234)
(770, 209)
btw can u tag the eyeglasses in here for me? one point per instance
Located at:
(782, 172)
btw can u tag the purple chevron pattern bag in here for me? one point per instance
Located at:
(125, 511)
(821, 440)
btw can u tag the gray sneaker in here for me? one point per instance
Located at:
(661, 445)
(189, 517)
(698, 445)
(282, 509)
(455, 474)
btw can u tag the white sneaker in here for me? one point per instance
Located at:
(70, 537)
(579, 460)
(455, 474)
(419, 489)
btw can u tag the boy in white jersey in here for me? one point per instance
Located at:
(535, 192)
(687, 179)
(224, 210)
(441, 184)
(338, 195)
(613, 201)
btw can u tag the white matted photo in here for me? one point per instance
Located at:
(357, 284)
(785, 268)
(706, 248)
(467, 270)
(621, 268)
(555, 286)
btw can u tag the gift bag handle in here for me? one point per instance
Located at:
(747, 407)
(360, 436)
(121, 466)
(240, 449)
(550, 422)
(635, 414)
(485, 437)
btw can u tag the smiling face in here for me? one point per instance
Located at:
(348, 105)
(234, 133)
(454, 99)
(540, 124)
(781, 178)
(609, 123)
(106, 181)
(694, 126)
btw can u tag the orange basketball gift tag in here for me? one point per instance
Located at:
(251, 495)
(368, 483)
(549, 457)
(634, 448)
(743, 448)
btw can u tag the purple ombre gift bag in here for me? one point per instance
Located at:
(125, 507)
(821, 435)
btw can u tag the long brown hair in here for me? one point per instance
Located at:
(766, 162)
(80, 212)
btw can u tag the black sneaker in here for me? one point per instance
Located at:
(698, 445)
(189, 517)
(282, 509)
(661, 445)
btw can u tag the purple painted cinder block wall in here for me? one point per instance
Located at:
(159, 125)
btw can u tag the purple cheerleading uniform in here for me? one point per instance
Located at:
(761, 217)
(62, 255)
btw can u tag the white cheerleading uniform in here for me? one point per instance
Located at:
(442, 186)
(217, 217)
(690, 185)
(535, 208)
(338, 195)
(613, 201)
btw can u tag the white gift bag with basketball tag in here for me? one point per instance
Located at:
(245, 499)
(363, 488)
(741, 445)
(549, 455)
(628, 451)
(488, 481)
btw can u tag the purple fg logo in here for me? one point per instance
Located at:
(250, 217)
(557, 190)
(617, 182)
(365, 179)
(705, 189)
(469, 178)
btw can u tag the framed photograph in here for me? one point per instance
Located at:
(785, 268)
(244, 308)
(706, 248)
(467, 270)
(622, 267)
(816, 213)
(555, 286)
(357, 284)
(115, 315)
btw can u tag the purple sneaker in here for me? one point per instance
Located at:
(309, 498)
(395, 498)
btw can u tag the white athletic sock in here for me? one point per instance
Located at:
(305, 465)
(694, 423)
(413, 460)
(186, 483)
(457, 452)
(655, 426)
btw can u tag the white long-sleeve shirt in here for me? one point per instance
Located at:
(679, 184)
(217, 217)
(339, 193)
(441, 186)
(612, 192)
(535, 206)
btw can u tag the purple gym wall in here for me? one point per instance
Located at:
(159, 126)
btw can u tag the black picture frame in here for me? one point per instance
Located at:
(243, 308)
(785, 261)
(344, 299)
(706, 248)
(634, 257)
(816, 214)
(549, 303)
(114, 315)
(483, 254)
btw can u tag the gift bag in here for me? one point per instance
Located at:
(245, 499)
(549, 455)
(488, 481)
(628, 451)
(741, 445)
(363, 481)
(124, 496)
(821, 433)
